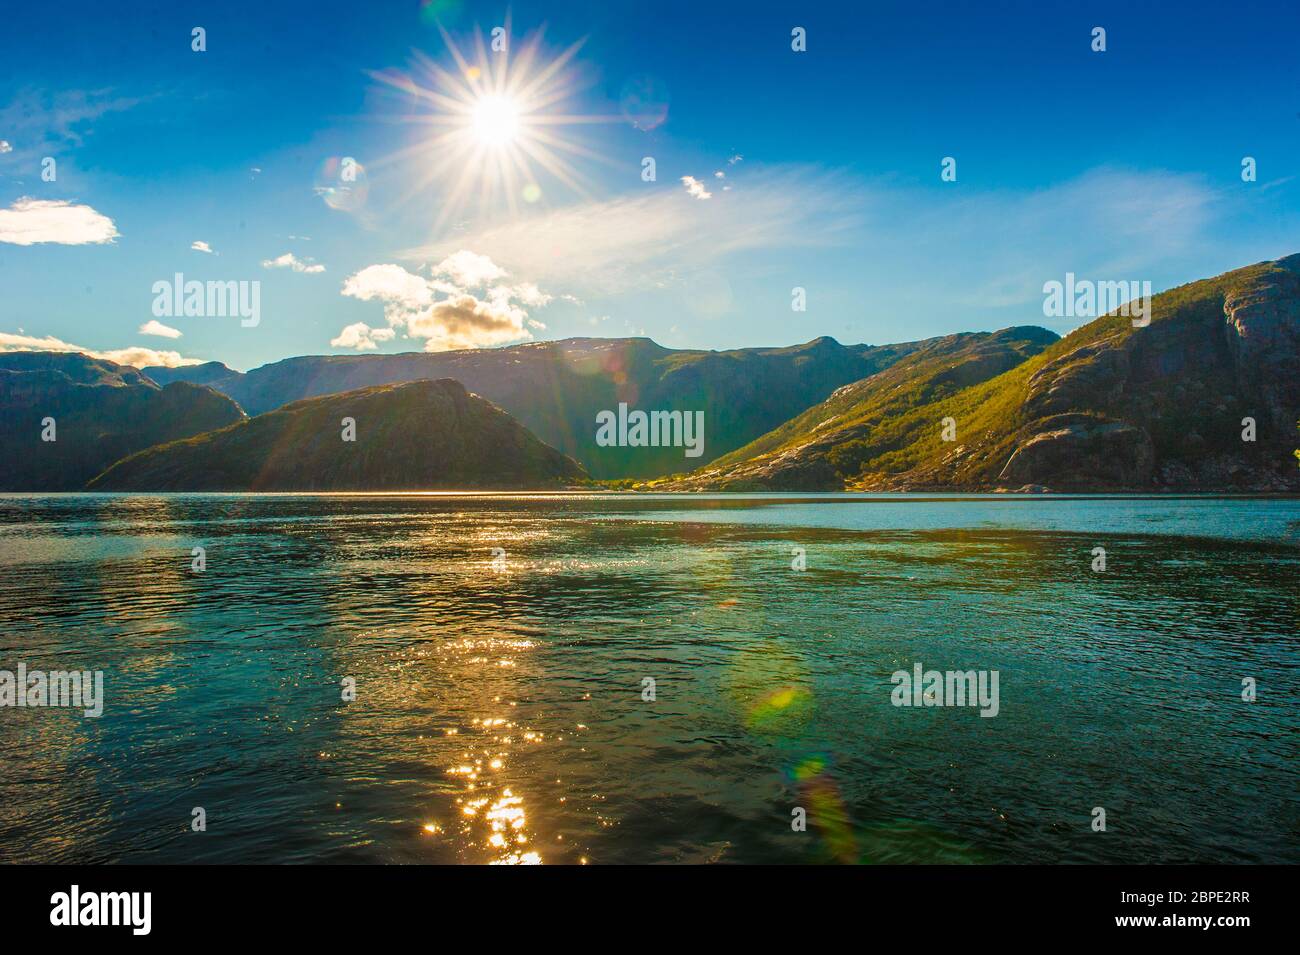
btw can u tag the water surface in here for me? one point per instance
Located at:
(500, 713)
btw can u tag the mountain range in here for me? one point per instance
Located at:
(1204, 397)
(556, 389)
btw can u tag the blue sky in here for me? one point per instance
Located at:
(1117, 165)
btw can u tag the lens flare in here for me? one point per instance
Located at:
(342, 184)
(826, 808)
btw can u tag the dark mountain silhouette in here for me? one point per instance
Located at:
(102, 412)
(412, 436)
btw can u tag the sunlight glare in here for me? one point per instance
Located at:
(496, 120)
(499, 124)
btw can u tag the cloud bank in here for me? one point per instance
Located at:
(136, 356)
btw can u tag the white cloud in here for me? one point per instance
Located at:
(291, 261)
(527, 293)
(362, 337)
(141, 357)
(201, 246)
(468, 269)
(5, 147)
(31, 221)
(136, 356)
(459, 319)
(719, 174)
(403, 293)
(695, 189)
(155, 327)
(735, 159)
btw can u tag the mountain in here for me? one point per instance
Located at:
(807, 452)
(102, 411)
(419, 435)
(1109, 407)
(556, 389)
(212, 373)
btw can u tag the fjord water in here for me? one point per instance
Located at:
(499, 712)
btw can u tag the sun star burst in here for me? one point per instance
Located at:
(498, 123)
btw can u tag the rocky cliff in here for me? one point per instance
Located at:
(1205, 397)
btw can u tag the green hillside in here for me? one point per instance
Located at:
(1108, 407)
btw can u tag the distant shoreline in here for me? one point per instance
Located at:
(910, 495)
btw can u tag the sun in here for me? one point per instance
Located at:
(496, 120)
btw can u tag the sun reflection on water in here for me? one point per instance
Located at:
(492, 815)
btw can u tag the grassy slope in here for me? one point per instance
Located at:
(885, 432)
(875, 414)
(993, 417)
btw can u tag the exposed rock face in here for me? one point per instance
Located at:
(1169, 406)
(1263, 336)
(414, 436)
(1072, 452)
(101, 411)
(803, 468)
(1186, 386)
(1082, 378)
(1264, 316)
